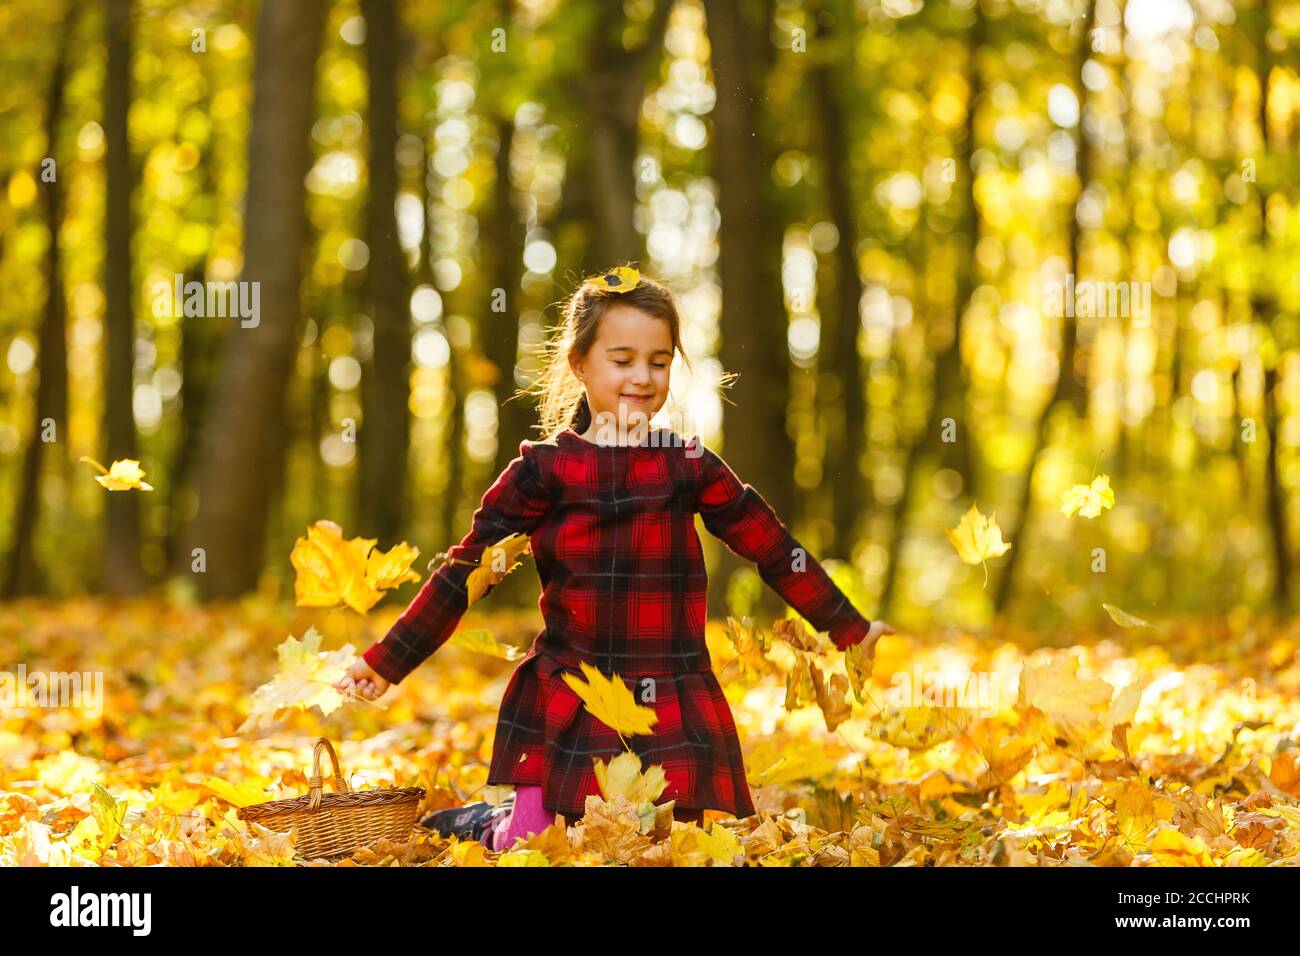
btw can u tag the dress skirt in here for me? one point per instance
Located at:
(546, 737)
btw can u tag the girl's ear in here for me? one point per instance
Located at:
(576, 366)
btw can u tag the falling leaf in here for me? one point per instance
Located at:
(482, 641)
(332, 571)
(977, 538)
(306, 679)
(1125, 619)
(391, 569)
(497, 561)
(610, 702)
(122, 475)
(1088, 500)
(623, 776)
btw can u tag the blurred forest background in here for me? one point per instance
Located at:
(861, 204)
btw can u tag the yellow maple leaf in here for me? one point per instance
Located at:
(692, 846)
(610, 702)
(333, 571)
(306, 679)
(497, 561)
(482, 641)
(122, 475)
(1138, 809)
(1088, 500)
(248, 792)
(623, 775)
(977, 538)
(1079, 710)
(389, 569)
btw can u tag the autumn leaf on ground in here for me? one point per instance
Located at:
(1079, 710)
(785, 763)
(610, 702)
(623, 775)
(497, 561)
(122, 475)
(306, 679)
(1138, 809)
(977, 538)
(1088, 500)
(692, 846)
(248, 792)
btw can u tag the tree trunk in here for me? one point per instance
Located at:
(25, 575)
(753, 322)
(851, 494)
(385, 436)
(123, 574)
(243, 454)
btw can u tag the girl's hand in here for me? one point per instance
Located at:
(362, 681)
(877, 630)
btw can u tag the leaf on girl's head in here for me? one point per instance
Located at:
(497, 561)
(122, 475)
(977, 538)
(1088, 500)
(1125, 619)
(306, 679)
(610, 702)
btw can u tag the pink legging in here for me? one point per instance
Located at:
(527, 817)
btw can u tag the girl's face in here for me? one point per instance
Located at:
(628, 365)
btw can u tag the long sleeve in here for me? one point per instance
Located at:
(745, 522)
(516, 503)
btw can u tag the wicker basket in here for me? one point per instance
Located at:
(337, 824)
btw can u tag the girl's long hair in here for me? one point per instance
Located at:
(562, 399)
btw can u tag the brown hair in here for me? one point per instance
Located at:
(562, 397)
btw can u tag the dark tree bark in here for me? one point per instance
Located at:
(123, 573)
(613, 90)
(841, 317)
(25, 575)
(385, 436)
(1264, 306)
(754, 323)
(243, 455)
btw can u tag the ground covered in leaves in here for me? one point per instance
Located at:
(1168, 744)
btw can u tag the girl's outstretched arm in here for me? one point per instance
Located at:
(734, 512)
(515, 503)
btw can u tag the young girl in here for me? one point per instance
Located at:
(609, 505)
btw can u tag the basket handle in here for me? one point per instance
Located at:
(315, 782)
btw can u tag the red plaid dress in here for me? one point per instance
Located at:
(613, 538)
